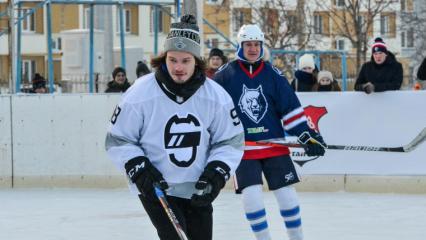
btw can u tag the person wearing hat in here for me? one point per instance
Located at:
(216, 59)
(39, 84)
(268, 108)
(119, 82)
(383, 72)
(142, 69)
(326, 83)
(305, 77)
(179, 132)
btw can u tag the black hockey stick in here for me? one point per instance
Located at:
(170, 213)
(406, 148)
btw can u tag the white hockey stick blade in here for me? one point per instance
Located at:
(416, 141)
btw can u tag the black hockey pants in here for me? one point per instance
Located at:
(197, 222)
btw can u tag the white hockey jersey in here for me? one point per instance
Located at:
(178, 138)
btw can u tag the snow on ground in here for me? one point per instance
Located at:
(105, 214)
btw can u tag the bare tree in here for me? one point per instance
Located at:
(413, 28)
(353, 20)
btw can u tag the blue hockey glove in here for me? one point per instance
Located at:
(313, 143)
(211, 181)
(142, 173)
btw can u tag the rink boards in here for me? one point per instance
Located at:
(58, 141)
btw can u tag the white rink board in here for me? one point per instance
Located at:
(388, 119)
(61, 137)
(5, 143)
(58, 140)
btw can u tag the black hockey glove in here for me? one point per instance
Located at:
(313, 143)
(142, 173)
(211, 181)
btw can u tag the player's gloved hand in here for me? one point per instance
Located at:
(211, 181)
(313, 142)
(142, 173)
(368, 87)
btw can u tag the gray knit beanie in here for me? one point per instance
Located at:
(184, 36)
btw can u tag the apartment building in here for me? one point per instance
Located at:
(226, 16)
(74, 19)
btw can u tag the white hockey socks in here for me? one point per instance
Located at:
(290, 211)
(255, 211)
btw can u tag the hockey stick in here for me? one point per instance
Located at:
(406, 148)
(170, 213)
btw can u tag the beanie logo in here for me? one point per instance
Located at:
(180, 44)
(184, 33)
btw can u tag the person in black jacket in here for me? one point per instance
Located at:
(421, 73)
(306, 76)
(382, 73)
(119, 81)
(142, 69)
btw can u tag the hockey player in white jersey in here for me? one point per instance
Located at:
(174, 129)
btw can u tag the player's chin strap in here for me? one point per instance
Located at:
(306, 138)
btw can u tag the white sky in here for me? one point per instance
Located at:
(94, 214)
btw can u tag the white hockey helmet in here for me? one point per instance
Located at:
(250, 32)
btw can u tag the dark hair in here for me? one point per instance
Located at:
(38, 81)
(156, 62)
(142, 69)
(117, 70)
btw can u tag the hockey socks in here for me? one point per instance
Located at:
(255, 211)
(290, 211)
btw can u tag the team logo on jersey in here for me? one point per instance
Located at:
(182, 136)
(253, 103)
(313, 115)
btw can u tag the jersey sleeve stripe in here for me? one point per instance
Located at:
(295, 123)
(294, 118)
(293, 113)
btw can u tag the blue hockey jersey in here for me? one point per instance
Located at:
(266, 104)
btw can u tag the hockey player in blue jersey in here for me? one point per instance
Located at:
(267, 106)
(174, 129)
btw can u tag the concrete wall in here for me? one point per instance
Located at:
(5, 143)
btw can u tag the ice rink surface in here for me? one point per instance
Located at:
(99, 214)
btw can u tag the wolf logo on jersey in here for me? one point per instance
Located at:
(181, 139)
(253, 103)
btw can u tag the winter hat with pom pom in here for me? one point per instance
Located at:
(184, 36)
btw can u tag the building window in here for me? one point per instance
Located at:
(384, 24)
(238, 18)
(56, 44)
(127, 20)
(403, 39)
(362, 25)
(159, 21)
(340, 44)
(29, 68)
(403, 5)
(341, 3)
(410, 38)
(318, 23)
(28, 22)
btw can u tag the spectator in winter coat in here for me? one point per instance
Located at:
(39, 84)
(119, 81)
(421, 73)
(142, 69)
(382, 73)
(216, 59)
(326, 83)
(305, 76)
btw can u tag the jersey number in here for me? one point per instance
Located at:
(234, 116)
(115, 114)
